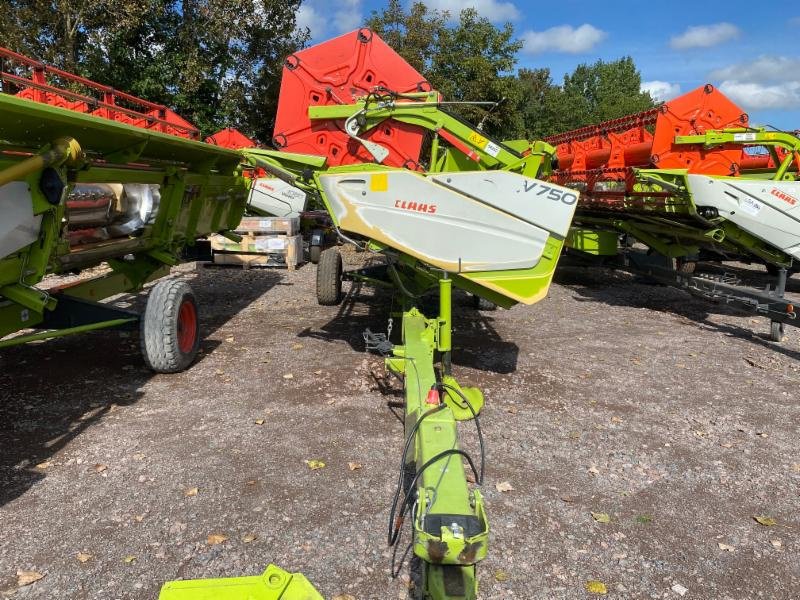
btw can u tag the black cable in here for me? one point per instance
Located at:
(407, 445)
(412, 488)
(397, 281)
(477, 426)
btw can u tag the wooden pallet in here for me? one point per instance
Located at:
(266, 242)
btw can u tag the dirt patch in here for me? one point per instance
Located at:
(676, 418)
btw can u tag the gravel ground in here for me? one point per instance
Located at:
(674, 417)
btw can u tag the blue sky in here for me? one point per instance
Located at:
(747, 49)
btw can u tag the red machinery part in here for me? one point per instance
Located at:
(96, 99)
(762, 160)
(230, 138)
(608, 151)
(337, 72)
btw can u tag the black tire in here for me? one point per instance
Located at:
(169, 327)
(482, 303)
(329, 277)
(314, 253)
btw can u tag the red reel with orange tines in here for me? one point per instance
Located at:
(338, 72)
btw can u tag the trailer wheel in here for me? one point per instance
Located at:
(776, 331)
(329, 277)
(170, 329)
(314, 254)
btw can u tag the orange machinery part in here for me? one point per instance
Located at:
(339, 71)
(609, 150)
(230, 138)
(36, 81)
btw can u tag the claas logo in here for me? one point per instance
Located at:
(415, 206)
(784, 196)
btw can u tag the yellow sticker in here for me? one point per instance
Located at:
(477, 139)
(379, 183)
(770, 136)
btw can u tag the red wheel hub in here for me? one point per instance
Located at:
(187, 326)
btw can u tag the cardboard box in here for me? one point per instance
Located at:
(259, 250)
(264, 225)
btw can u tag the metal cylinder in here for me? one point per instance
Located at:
(445, 313)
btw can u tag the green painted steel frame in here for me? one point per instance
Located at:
(449, 556)
(677, 230)
(424, 110)
(663, 229)
(202, 191)
(751, 137)
(273, 584)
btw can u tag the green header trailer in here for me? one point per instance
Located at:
(690, 180)
(88, 181)
(85, 182)
(470, 212)
(78, 190)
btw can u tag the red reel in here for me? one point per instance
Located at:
(338, 72)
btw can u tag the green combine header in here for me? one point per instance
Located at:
(78, 190)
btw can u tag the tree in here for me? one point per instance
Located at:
(590, 94)
(471, 60)
(541, 110)
(413, 33)
(218, 62)
(215, 62)
(603, 91)
(59, 32)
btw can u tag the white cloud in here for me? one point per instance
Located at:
(705, 36)
(347, 16)
(661, 91)
(564, 38)
(494, 10)
(771, 82)
(307, 16)
(758, 95)
(762, 69)
(323, 22)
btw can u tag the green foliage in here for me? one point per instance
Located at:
(215, 62)
(218, 62)
(471, 60)
(540, 108)
(590, 94)
(413, 33)
(604, 90)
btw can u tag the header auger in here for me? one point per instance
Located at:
(610, 150)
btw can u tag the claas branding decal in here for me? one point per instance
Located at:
(791, 200)
(415, 206)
